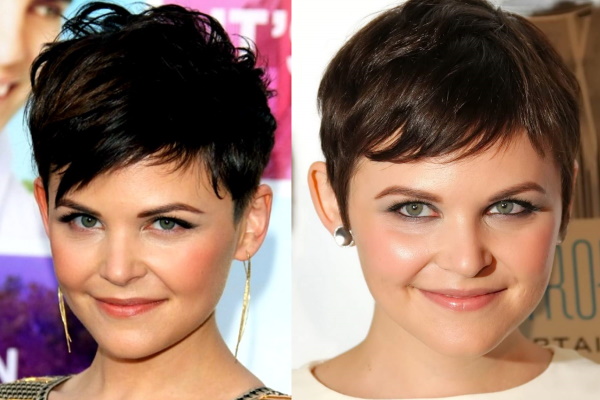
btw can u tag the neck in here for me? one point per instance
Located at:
(200, 367)
(391, 363)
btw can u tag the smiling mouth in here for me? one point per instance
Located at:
(462, 300)
(126, 308)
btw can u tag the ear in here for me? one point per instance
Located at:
(323, 197)
(255, 224)
(39, 192)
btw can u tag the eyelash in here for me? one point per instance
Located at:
(528, 208)
(181, 223)
(397, 207)
(69, 218)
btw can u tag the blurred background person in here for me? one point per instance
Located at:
(25, 25)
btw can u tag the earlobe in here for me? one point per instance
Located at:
(256, 223)
(39, 192)
(323, 196)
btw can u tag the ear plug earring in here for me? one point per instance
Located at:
(343, 237)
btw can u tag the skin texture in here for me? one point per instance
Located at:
(25, 25)
(110, 241)
(458, 240)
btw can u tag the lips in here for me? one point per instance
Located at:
(462, 300)
(126, 308)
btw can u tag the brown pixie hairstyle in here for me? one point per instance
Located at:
(438, 77)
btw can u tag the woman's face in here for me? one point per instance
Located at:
(25, 25)
(142, 254)
(457, 253)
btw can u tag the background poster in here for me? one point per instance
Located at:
(31, 335)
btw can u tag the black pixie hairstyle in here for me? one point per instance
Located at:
(166, 85)
(446, 77)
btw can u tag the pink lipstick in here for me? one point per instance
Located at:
(126, 308)
(462, 300)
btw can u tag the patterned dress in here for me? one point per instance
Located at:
(39, 388)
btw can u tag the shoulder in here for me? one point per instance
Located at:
(306, 386)
(569, 375)
(568, 364)
(263, 393)
(29, 388)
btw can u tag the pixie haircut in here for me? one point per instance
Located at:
(446, 77)
(164, 86)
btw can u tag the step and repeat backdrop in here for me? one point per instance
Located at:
(32, 341)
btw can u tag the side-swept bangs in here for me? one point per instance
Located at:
(437, 78)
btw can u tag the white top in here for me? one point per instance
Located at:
(21, 229)
(569, 376)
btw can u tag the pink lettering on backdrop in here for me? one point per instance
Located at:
(266, 23)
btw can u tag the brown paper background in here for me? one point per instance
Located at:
(569, 313)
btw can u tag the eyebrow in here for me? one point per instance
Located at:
(144, 214)
(516, 189)
(169, 208)
(423, 195)
(408, 192)
(64, 202)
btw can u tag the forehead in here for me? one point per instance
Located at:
(145, 183)
(496, 168)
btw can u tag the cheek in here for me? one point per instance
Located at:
(197, 266)
(530, 254)
(39, 30)
(72, 264)
(389, 256)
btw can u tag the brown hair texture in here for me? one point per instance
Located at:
(446, 77)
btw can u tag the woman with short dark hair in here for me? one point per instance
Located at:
(450, 130)
(150, 133)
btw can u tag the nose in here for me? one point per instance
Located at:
(122, 264)
(12, 31)
(464, 248)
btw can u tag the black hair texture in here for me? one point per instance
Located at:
(163, 86)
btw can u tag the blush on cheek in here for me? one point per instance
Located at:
(533, 251)
(387, 255)
(195, 268)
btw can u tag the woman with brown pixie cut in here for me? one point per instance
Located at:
(450, 130)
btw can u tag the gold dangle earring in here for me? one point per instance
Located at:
(63, 317)
(245, 302)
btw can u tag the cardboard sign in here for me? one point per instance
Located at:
(569, 313)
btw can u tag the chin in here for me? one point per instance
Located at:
(466, 344)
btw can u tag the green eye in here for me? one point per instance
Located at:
(166, 224)
(505, 207)
(414, 209)
(88, 222)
